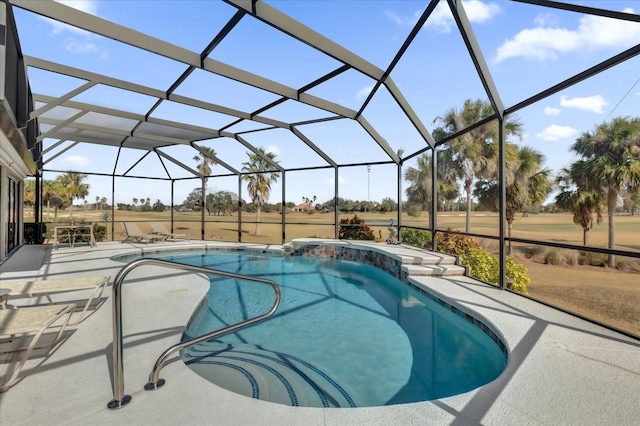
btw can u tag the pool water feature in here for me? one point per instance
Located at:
(346, 334)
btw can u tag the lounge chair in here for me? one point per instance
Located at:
(133, 231)
(47, 287)
(17, 326)
(159, 228)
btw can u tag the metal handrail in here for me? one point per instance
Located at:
(119, 398)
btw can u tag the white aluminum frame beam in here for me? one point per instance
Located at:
(60, 125)
(475, 52)
(96, 25)
(110, 131)
(50, 105)
(215, 159)
(258, 153)
(129, 115)
(295, 29)
(178, 163)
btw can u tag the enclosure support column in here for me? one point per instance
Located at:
(239, 208)
(335, 202)
(284, 207)
(172, 184)
(37, 216)
(502, 201)
(202, 204)
(399, 201)
(434, 198)
(113, 207)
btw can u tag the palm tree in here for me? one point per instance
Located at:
(205, 163)
(526, 184)
(419, 191)
(581, 202)
(52, 195)
(29, 192)
(98, 202)
(135, 201)
(259, 181)
(474, 154)
(74, 188)
(610, 163)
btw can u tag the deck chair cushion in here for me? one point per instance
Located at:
(47, 287)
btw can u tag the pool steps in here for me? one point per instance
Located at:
(268, 375)
(398, 260)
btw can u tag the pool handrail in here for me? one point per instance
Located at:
(119, 398)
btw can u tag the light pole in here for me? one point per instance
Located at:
(369, 183)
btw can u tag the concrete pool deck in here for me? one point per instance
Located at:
(561, 369)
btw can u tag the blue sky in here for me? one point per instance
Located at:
(527, 49)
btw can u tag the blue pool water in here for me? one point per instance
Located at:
(346, 334)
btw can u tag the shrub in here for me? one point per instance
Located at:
(416, 237)
(100, 232)
(485, 267)
(482, 265)
(561, 257)
(518, 275)
(593, 259)
(354, 229)
(456, 244)
(628, 265)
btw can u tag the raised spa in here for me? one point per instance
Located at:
(346, 334)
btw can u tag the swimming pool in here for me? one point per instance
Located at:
(346, 334)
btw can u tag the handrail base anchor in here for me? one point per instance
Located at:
(154, 386)
(115, 404)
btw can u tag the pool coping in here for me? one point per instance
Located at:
(562, 370)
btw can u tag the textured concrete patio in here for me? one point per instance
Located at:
(561, 369)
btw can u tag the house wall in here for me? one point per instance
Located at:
(17, 135)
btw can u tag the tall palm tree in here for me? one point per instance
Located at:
(475, 153)
(135, 201)
(419, 191)
(73, 188)
(205, 163)
(258, 181)
(52, 194)
(527, 184)
(579, 201)
(610, 163)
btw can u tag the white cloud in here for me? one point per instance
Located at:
(548, 41)
(73, 46)
(404, 20)
(75, 161)
(546, 19)
(552, 111)
(80, 41)
(555, 132)
(590, 103)
(478, 11)
(364, 92)
(87, 6)
(441, 18)
(273, 149)
(539, 43)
